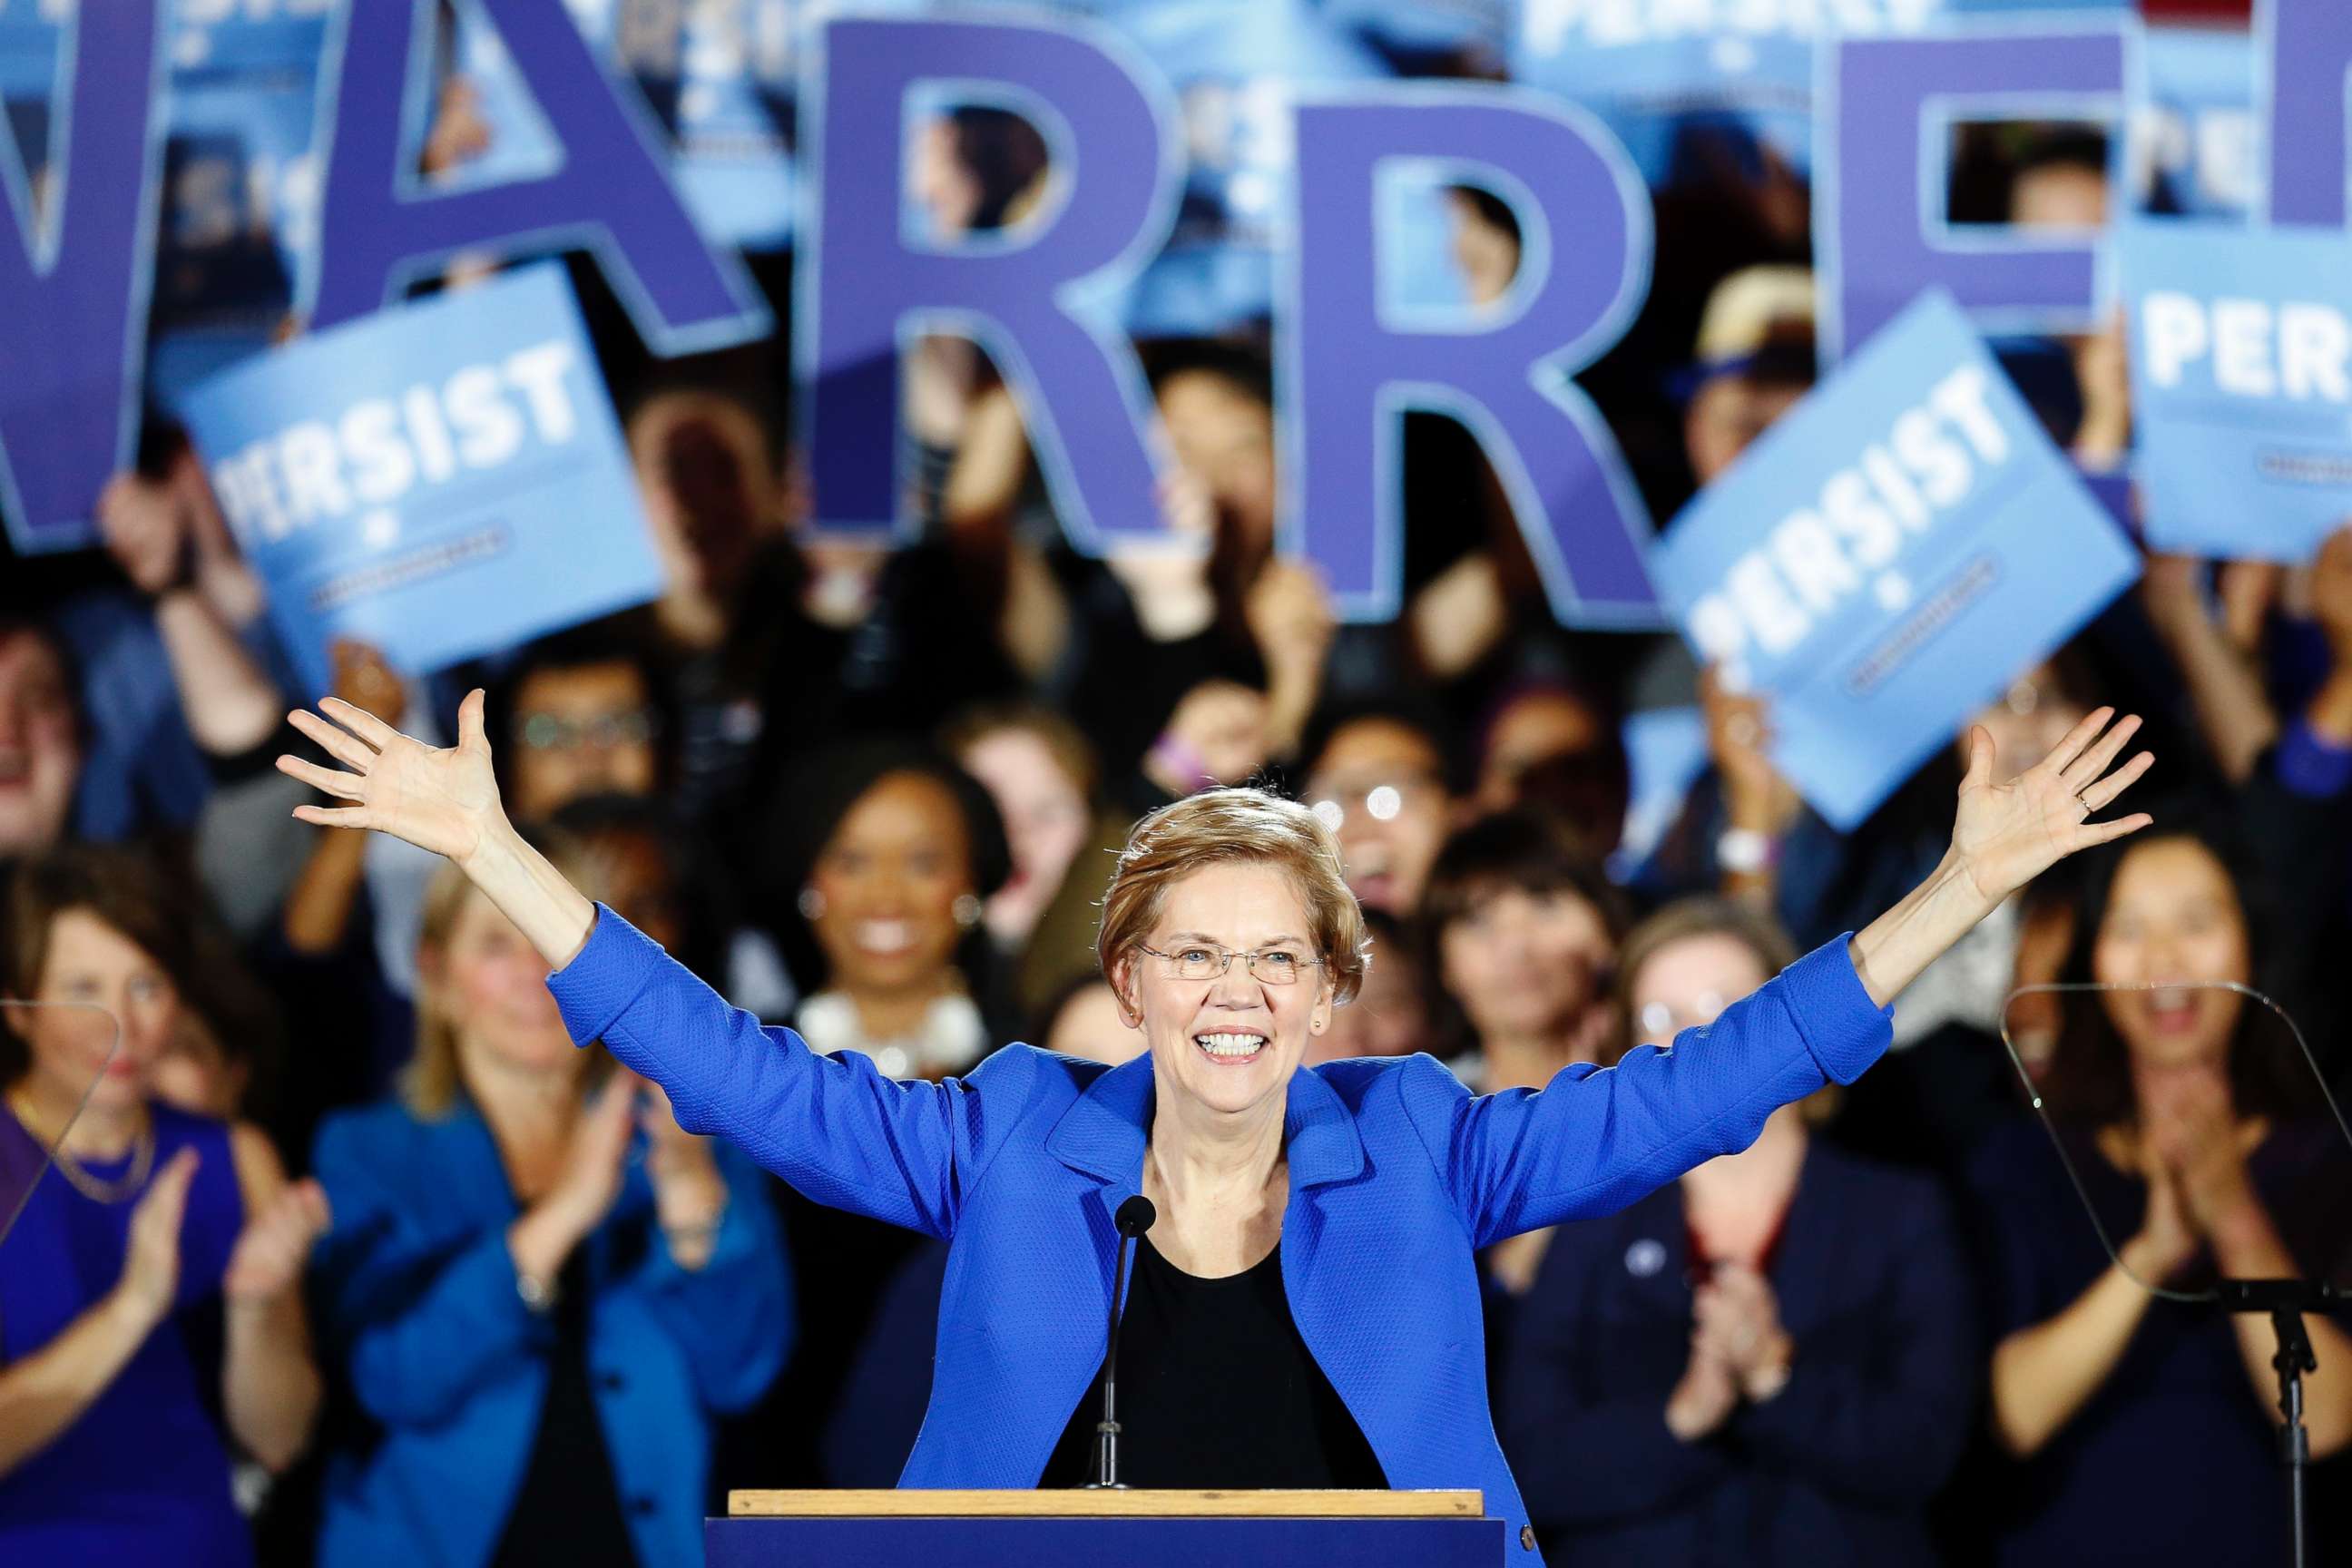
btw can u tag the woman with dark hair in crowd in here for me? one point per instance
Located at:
(1520, 932)
(1772, 1360)
(2148, 1425)
(541, 1290)
(151, 1312)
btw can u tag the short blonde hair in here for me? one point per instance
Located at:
(434, 1081)
(1235, 826)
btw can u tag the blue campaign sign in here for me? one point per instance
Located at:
(1888, 558)
(2196, 139)
(248, 34)
(1645, 66)
(442, 479)
(719, 77)
(2241, 385)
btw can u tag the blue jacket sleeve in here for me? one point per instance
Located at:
(418, 1328)
(1593, 1139)
(733, 1316)
(833, 1127)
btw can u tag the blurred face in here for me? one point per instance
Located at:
(1045, 823)
(1534, 728)
(710, 487)
(492, 984)
(889, 877)
(1225, 438)
(2026, 723)
(1526, 965)
(2059, 196)
(581, 732)
(637, 883)
(1089, 1026)
(97, 990)
(2172, 916)
(1389, 1017)
(1230, 1043)
(1727, 414)
(1689, 983)
(1387, 784)
(1487, 254)
(40, 755)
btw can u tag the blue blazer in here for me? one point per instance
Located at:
(1398, 1175)
(421, 1316)
(1837, 1469)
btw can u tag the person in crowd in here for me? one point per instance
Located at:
(1085, 1021)
(1230, 936)
(40, 739)
(1039, 769)
(540, 1288)
(649, 862)
(1772, 1360)
(1558, 747)
(2058, 185)
(2145, 1424)
(1519, 933)
(1390, 1017)
(885, 852)
(151, 1321)
(586, 713)
(1753, 362)
(1378, 776)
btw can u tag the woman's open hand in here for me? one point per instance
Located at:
(441, 798)
(2008, 834)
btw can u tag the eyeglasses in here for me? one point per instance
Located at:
(1272, 967)
(1382, 801)
(548, 732)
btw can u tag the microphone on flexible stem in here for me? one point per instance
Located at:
(1134, 1217)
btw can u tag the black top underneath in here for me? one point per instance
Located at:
(569, 1509)
(1216, 1389)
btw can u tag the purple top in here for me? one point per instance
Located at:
(143, 1476)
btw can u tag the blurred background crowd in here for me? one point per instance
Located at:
(267, 1301)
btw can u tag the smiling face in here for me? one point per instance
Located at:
(889, 877)
(93, 979)
(1688, 983)
(1045, 822)
(2172, 917)
(1229, 1043)
(1525, 964)
(1385, 782)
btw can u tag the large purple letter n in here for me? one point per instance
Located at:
(1026, 294)
(1349, 374)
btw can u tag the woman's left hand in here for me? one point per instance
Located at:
(271, 1250)
(2197, 1137)
(2008, 834)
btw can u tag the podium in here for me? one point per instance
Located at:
(1079, 1529)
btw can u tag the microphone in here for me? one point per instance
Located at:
(1134, 1217)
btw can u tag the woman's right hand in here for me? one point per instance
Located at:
(1706, 1397)
(590, 1177)
(441, 798)
(151, 1256)
(2165, 1240)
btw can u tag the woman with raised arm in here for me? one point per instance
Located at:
(1305, 1312)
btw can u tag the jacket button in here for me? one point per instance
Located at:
(642, 1506)
(612, 1382)
(1528, 1536)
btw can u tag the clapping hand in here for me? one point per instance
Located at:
(275, 1244)
(2006, 834)
(1738, 1322)
(440, 798)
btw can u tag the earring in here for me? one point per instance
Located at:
(812, 904)
(966, 910)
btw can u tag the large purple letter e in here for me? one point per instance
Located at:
(1024, 293)
(1349, 374)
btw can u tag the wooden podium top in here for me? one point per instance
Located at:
(1079, 1503)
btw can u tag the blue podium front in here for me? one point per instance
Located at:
(1093, 1530)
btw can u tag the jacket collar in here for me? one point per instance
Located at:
(1105, 1131)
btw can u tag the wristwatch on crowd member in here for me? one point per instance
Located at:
(1746, 851)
